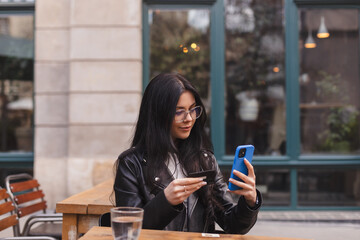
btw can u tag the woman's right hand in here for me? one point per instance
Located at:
(180, 189)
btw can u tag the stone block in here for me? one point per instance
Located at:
(102, 170)
(79, 175)
(51, 174)
(104, 142)
(52, 13)
(52, 45)
(106, 12)
(106, 76)
(51, 142)
(51, 77)
(104, 108)
(106, 43)
(51, 109)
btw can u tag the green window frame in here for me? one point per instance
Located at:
(292, 99)
(17, 160)
(217, 76)
(293, 160)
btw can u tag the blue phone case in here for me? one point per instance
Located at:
(240, 165)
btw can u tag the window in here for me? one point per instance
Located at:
(328, 86)
(329, 187)
(16, 86)
(329, 81)
(180, 42)
(16, 89)
(255, 76)
(299, 106)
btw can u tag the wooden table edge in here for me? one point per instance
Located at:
(75, 208)
(98, 231)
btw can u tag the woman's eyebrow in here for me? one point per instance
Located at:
(181, 107)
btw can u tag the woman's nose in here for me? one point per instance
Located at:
(188, 117)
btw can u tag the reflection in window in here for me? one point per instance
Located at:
(180, 42)
(274, 185)
(255, 76)
(329, 81)
(16, 87)
(329, 187)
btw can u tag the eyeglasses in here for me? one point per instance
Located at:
(181, 115)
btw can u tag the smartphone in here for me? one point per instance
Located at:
(209, 174)
(243, 151)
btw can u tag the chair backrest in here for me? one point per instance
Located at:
(104, 220)
(25, 193)
(8, 217)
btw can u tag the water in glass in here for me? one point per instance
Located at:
(126, 228)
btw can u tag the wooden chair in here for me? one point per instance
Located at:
(28, 199)
(8, 218)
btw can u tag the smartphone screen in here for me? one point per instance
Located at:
(243, 151)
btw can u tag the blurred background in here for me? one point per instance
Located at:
(282, 75)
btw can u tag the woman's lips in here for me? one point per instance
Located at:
(187, 128)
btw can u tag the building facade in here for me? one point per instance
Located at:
(264, 71)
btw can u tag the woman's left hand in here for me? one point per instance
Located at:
(248, 186)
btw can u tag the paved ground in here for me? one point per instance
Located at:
(307, 230)
(319, 225)
(311, 216)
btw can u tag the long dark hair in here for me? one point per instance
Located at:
(152, 135)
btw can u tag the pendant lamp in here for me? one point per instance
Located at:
(323, 32)
(309, 42)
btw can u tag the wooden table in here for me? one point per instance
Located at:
(104, 233)
(81, 211)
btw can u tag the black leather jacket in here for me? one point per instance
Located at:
(131, 190)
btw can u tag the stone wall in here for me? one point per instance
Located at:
(88, 82)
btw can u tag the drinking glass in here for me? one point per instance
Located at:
(126, 222)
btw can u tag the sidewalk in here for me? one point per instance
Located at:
(311, 216)
(318, 225)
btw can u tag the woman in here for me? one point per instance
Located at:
(169, 143)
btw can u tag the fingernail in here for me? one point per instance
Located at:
(204, 183)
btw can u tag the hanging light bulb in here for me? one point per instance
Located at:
(310, 43)
(323, 32)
